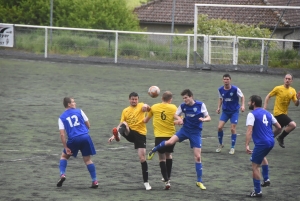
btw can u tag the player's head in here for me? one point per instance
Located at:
(288, 79)
(167, 97)
(187, 96)
(133, 98)
(226, 79)
(254, 102)
(69, 102)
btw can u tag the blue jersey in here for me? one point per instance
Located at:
(230, 102)
(73, 121)
(262, 121)
(192, 114)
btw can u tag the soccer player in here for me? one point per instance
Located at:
(259, 127)
(284, 94)
(76, 125)
(164, 128)
(133, 128)
(229, 100)
(195, 113)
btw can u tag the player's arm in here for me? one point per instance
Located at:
(219, 103)
(266, 101)
(248, 138)
(277, 126)
(249, 123)
(205, 113)
(178, 120)
(86, 120)
(296, 99)
(148, 117)
(62, 133)
(241, 95)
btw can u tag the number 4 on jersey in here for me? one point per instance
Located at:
(265, 120)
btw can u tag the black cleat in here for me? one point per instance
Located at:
(253, 194)
(265, 183)
(95, 184)
(280, 142)
(61, 180)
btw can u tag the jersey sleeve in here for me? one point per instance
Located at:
(60, 124)
(240, 93)
(273, 92)
(179, 110)
(250, 120)
(220, 96)
(84, 116)
(274, 121)
(204, 110)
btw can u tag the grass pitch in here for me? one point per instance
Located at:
(31, 96)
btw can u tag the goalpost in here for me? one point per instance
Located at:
(205, 61)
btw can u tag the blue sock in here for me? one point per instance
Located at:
(265, 172)
(257, 186)
(161, 145)
(91, 168)
(62, 166)
(198, 167)
(220, 137)
(233, 140)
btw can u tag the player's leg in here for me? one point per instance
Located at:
(258, 154)
(196, 144)
(63, 162)
(289, 124)
(140, 145)
(169, 163)
(122, 129)
(234, 118)
(171, 141)
(223, 119)
(265, 173)
(87, 150)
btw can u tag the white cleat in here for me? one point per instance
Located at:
(147, 186)
(231, 151)
(220, 146)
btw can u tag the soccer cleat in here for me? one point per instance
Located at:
(94, 184)
(280, 142)
(201, 186)
(167, 185)
(265, 183)
(61, 180)
(253, 194)
(220, 146)
(147, 186)
(231, 151)
(116, 134)
(150, 155)
(163, 180)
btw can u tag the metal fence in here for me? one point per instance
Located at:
(161, 50)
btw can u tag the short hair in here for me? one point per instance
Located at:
(187, 92)
(66, 101)
(226, 75)
(133, 94)
(288, 74)
(256, 100)
(167, 95)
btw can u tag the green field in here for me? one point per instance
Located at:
(31, 96)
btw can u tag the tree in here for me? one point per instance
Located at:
(95, 14)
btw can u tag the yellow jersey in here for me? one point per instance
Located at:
(134, 116)
(163, 119)
(283, 98)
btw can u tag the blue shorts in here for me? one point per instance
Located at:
(83, 143)
(193, 136)
(259, 152)
(233, 116)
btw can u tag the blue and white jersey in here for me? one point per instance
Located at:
(230, 98)
(262, 121)
(192, 115)
(73, 122)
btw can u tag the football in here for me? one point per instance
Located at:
(153, 91)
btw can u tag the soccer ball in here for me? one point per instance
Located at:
(153, 91)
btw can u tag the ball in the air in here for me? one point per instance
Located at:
(153, 91)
